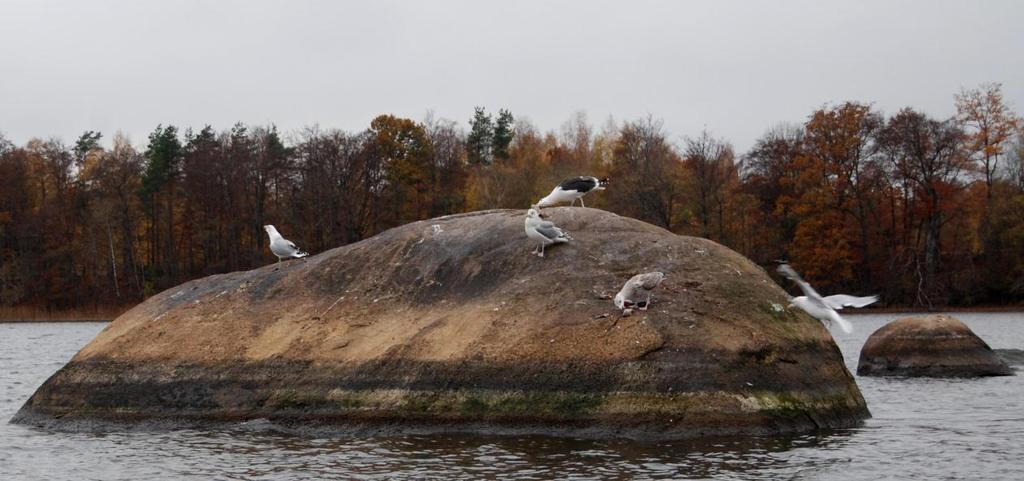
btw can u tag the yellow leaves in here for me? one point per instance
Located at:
(988, 122)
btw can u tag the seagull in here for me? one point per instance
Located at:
(626, 298)
(823, 308)
(281, 247)
(544, 232)
(571, 189)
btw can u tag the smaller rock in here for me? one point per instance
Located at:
(928, 346)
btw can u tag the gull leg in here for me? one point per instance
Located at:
(581, 202)
(646, 304)
(541, 251)
(573, 203)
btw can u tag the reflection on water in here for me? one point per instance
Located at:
(922, 428)
(268, 453)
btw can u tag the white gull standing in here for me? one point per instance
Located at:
(281, 247)
(823, 308)
(571, 189)
(640, 284)
(543, 232)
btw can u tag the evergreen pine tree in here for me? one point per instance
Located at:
(481, 138)
(503, 134)
(163, 159)
(86, 143)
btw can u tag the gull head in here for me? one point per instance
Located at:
(801, 302)
(536, 209)
(533, 214)
(620, 301)
(270, 229)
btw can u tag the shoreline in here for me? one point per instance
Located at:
(94, 314)
(70, 317)
(916, 310)
(51, 321)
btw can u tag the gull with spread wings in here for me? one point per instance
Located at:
(825, 308)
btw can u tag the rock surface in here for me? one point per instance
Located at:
(928, 346)
(451, 325)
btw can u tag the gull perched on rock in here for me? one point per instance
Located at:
(638, 285)
(823, 308)
(571, 189)
(281, 247)
(543, 232)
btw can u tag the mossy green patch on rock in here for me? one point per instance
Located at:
(471, 404)
(558, 406)
(786, 403)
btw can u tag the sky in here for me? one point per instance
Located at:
(733, 68)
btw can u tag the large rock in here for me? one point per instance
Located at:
(928, 346)
(451, 325)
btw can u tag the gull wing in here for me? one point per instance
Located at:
(578, 184)
(649, 280)
(840, 301)
(549, 230)
(792, 275)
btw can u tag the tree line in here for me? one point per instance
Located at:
(922, 210)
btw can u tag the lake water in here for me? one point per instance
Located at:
(921, 429)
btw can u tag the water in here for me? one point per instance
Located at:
(922, 429)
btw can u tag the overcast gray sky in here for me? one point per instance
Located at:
(735, 67)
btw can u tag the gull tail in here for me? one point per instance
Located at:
(300, 254)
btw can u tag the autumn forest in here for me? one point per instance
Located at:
(924, 211)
